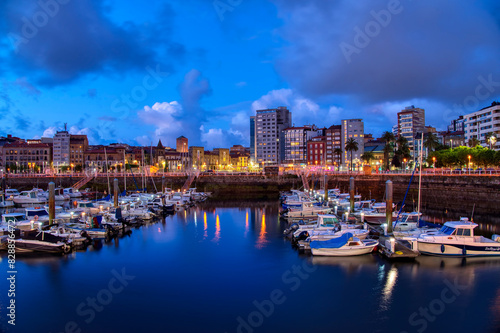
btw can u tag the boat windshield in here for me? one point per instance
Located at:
(447, 230)
(330, 220)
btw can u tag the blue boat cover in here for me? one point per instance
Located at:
(333, 243)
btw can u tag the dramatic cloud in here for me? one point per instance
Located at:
(55, 43)
(173, 119)
(381, 51)
(304, 111)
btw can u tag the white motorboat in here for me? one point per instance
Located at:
(76, 237)
(325, 222)
(10, 193)
(18, 221)
(345, 245)
(29, 197)
(73, 193)
(307, 210)
(457, 239)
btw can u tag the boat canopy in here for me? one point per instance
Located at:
(333, 243)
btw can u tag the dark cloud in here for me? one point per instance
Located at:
(79, 38)
(192, 90)
(92, 93)
(21, 122)
(434, 50)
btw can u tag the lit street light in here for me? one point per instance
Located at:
(434, 161)
(469, 163)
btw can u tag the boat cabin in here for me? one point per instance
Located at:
(85, 204)
(11, 192)
(459, 228)
(12, 218)
(28, 194)
(327, 220)
(31, 212)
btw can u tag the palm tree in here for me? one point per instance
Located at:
(367, 156)
(350, 146)
(431, 142)
(338, 152)
(402, 152)
(473, 142)
(388, 138)
(490, 138)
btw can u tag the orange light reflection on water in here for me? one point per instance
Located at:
(261, 241)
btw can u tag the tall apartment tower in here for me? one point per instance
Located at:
(61, 156)
(296, 143)
(333, 141)
(181, 144)
(269, 136)
(411, 121)
(481, 123)
(252, 138)
(352, 128)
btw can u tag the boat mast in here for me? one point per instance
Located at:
(420, 174)
(125, 171)
(143, 169)
(107, 175)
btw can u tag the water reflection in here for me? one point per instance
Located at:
(217, 229)
(261, 241)
(390, 282)
(205, 225)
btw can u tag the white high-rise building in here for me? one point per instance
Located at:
(269, 137)
(61, 149)
(352, 128)
(480, 123)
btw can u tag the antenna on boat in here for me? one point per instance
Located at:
(472, 215)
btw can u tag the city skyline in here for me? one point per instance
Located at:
(125, 73)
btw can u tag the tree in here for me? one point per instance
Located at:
(367, 156)
(473, 142)
(431, 142)
(350, 146)
(402, 152)
(388, 138)
(338, 152)
(491, 139)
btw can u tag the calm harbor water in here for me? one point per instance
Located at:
(225, 267)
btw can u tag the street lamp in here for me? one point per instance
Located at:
(493, 140)
(434, 161)
(469, 163)
(404, 163)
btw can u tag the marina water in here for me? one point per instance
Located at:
(226, 267)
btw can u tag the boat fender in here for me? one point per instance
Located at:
(442, 248)
(464, 251)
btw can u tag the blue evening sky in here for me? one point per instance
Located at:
(139, 71)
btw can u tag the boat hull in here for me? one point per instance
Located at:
(342, 252)
(459, 250)
(40, 246)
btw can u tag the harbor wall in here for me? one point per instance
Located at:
(440, 196)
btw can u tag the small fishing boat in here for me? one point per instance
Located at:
(345, 245)
(39, 241)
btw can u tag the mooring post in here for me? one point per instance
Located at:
(351, 193)
(326, 189)
(163, 190)
(52, 202)
(388, 206)
(115, 184)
